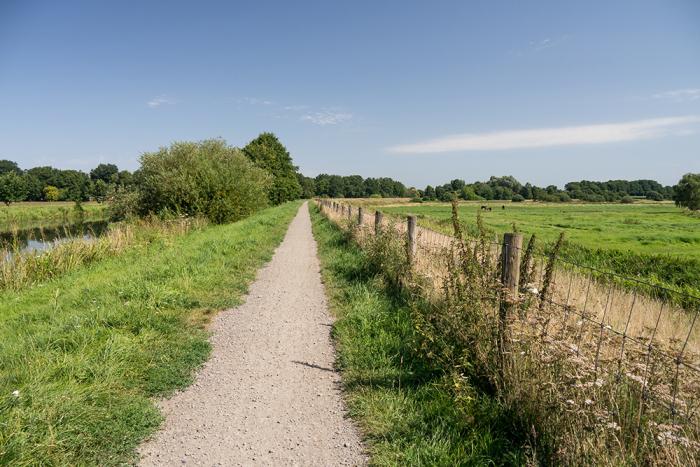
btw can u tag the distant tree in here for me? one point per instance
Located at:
(429, 192)
(267, 152)
(104, 172)
(654, 196)
(100, 190)
(687, 192)
(9, 166)
(13, 187)
(308, 186)
(51, 193)
(518, 198)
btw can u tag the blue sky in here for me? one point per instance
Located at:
(547, 91)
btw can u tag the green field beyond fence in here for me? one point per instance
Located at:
(655, 242)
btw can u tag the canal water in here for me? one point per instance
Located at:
(43, 238)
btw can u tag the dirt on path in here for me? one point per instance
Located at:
(269, 394)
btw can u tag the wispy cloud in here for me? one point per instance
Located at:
(160, 100)
(679, 95)
(544, 137)
(326, 118)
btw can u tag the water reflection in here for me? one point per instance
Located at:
(43, 238)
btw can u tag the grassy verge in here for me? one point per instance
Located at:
(87, 352)
(404, 406)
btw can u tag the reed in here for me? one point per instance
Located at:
(20, 270)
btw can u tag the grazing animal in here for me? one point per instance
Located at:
(503, 207)
(485, 208)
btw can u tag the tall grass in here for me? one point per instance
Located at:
(23, 269)
(575, 395)
(403, 402)
(82, 356)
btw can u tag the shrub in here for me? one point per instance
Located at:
(207, 178)
(627, 200)
(51, 193)
(518, 198)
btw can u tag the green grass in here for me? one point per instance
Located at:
(405, 408)
(89, 351)
(654, 242)
(31, 214)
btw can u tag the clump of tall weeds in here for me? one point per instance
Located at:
(560, 408)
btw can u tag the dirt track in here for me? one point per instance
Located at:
(269, 394)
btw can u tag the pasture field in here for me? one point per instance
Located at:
(84, 355)
(30, 214)
(655, 242)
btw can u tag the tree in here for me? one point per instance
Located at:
(51, 193)
(308, 187)
(13, 187)
(207, 178)
(100, 190)
(104, 172)
(9, 166)
(267, 152)
(687, 192)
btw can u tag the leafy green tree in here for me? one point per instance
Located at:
(267, 152)
(9, 166)
(13, 187)
(308, 186)
(100, 189)
(104, 172)
(51, 193)
(207, 178)
(687, 192)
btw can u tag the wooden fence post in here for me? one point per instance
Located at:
(349, 211)
(510, 276)
(411, 240)
(360, 216)
(378, 216)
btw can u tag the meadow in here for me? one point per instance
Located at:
(86, 352)
(654, 242)
(30, 214)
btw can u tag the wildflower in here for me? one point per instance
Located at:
(570, 402)
(588, 402)
(613, 426)
(15, 393)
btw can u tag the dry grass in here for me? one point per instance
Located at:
(598, 366)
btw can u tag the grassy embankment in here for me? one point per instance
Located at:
(655, 242)
(88, 351)
(30, 214)
(404, 406)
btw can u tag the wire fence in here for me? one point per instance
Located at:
(615, 329)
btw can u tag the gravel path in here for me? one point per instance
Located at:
(269, 394)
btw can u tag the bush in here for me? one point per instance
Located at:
(518, 198)
(207, 178)
(655, 196)
(375, 195)
(687, 192)
(627, 200)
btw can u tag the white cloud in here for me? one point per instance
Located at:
(544, 137)
(679, 95)
(160, 100)
(326, 118)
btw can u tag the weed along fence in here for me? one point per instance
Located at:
(616, 354)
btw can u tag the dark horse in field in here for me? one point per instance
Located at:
(485, 208)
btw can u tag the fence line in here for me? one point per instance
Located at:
(612, 332)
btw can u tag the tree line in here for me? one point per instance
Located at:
(509, 188)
